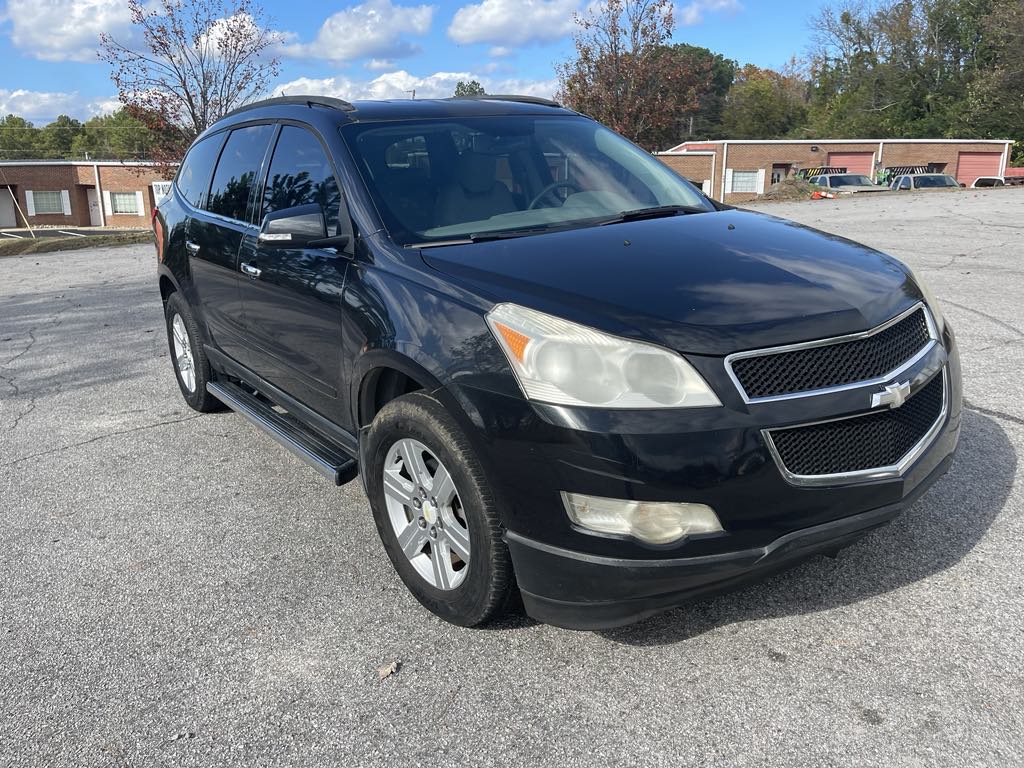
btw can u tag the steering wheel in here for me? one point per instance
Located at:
(551, 188)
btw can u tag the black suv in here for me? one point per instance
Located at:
(561, 371)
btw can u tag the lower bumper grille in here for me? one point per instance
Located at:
(861, 443)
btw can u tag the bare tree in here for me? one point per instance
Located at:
(624, 74)
(195, 62)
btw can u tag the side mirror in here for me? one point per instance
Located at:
(293, 227)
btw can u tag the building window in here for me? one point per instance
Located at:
(47, 202)
(124, 202)
(744, 181)
(160, 190)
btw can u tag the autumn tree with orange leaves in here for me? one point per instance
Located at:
(625, 74)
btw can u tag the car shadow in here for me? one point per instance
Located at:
(935, 534)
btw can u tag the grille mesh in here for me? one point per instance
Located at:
(863, 442)
(833, 365)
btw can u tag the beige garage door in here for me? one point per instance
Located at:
(853, 162)
(7, 217)
(971, 165)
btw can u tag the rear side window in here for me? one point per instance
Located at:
(194, 175)
(236, 171)
(300, 174)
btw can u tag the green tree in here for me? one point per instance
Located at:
(113, 137)
(704, 121)
(19, 139)
(56, 138)
(469, 88)
(764, 104)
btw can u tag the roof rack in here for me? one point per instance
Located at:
(308, 101)
(511, 97)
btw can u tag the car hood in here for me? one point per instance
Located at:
(710, 283)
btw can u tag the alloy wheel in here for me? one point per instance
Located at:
(426, 514)
(183, 353)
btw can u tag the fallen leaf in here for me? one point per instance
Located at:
(388, 669)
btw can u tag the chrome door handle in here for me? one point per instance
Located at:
(251, 270)
(191, 247)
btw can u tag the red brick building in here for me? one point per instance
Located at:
(737, 171)
(74, 193)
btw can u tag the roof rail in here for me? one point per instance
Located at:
(308, 101)
(511, 97)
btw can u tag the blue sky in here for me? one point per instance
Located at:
(374, 48)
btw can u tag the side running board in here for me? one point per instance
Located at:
(325, 457)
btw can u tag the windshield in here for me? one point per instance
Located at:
(452, 178)
(851, 180)
(925, 182)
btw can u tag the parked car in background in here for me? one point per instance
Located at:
(924, 181)
(846, 183)
(988, 181)
(559, 370)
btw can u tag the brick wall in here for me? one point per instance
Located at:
(77, 180)
(696, 168)
(799, 155)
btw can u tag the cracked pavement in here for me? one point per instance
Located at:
(178, 590)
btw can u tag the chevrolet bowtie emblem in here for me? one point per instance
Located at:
(894, 395)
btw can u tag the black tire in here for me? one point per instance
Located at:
(198, 397)
(489, 584)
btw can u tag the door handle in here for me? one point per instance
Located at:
(252, 270)
(191, 247)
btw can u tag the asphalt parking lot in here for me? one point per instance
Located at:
(175, 589)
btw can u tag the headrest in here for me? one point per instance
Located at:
(476, 172)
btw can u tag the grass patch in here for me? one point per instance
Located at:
(13, 247)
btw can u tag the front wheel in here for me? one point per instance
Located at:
(435, 514)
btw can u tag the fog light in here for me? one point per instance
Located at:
(654, 522)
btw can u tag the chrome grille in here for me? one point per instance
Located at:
(821, 365)
(875, 440)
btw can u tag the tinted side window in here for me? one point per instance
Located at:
(300, 174)
(236, 171)
(194, 175)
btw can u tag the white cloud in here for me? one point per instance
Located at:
(41, 107)
(693, 13)
(499, 51)
(379, 65)
(61, 30)
(400, 84)
(375, 29)
(513, 22)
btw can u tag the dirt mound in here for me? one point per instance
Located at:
(789, 189)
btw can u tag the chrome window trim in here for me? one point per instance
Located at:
(933, 334)
(890, 472)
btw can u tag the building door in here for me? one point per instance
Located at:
(7, 214)
(853, 162)
(780, 171)
(94, 207)
(971, 165)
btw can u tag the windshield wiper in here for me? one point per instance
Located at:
(508, 234)
(655, 212)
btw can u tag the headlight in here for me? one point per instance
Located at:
(560, 362)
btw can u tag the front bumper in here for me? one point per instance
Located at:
(580, 591)
(718, 457)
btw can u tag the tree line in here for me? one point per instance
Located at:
(871, 69)
(118, 136)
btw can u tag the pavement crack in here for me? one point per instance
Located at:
(91, 440)
(994, 414)
(986, 315)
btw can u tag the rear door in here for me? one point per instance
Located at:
(292, 301)
(215, 230)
